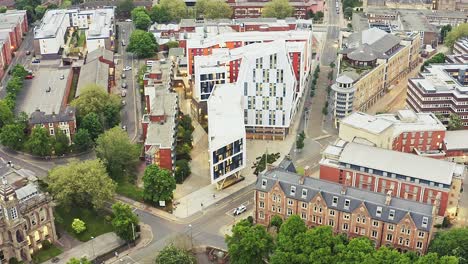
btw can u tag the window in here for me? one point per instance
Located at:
(261, 215)
(290, 202)
(304, 215)
(363, 231)
(346, 204)
(261, 204)
(345, 226)
(261, 195)
(51, 132)
(390, 227)
(279, 209)
(419, 244)
(375, 223)
(335, 200)
(363, 220)
(424, 221)
(320, 209)
(391, 214)
(274, 198)
(358, 219)
(264, 183)
(420, 234)
(389, 237)
(304, 193)
(332, 212)
(289, 211)
(374, 233)
(400, 240)
(273, 209)
(315, 208)
(346, 216)
(293, 190)
(407, 242)
(378, 213)
(331, 222)
(304, 205)
(14, 213)
(356, 230)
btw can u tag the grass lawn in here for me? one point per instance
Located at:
(95, 222)
(130, 190)
(300, 170)
(46, 254)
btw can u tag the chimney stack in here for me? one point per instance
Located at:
(307, 171)
(388, 199)
(301, 180)
(435, 209)
(345, 185)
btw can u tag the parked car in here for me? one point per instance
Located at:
(123, 102)
(127, 68)
(28, 52)
(128, 20)
(123, 93)
(123, 76)
(62, 77)
(239, 210)
(124, 128)
(55, 260)
(124, 85)
(36, 61)
(123, 42)
(48, 89)
(29, 76)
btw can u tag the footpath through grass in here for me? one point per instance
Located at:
(96, 223)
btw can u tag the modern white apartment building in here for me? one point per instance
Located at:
(271, 76)
(226, 133)
(98, 25)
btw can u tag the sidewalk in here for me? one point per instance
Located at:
(91, 249)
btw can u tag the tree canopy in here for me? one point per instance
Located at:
(82, 140)
(81, 184)
(141, 18)
(259, 164)
(82, 260)
(176, 8)
(92, 123)
(173, 255)
(455, 34)
(61, 143)
(13, 136)
(117, 152)
(39, 143)
(143, 44)
(213, 9)
(454, 122)
(124, 7)
(160, 14)
(453, 242)
(158, 184)
(278, 8)
(124, 222)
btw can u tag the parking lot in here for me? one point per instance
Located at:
(46, 91)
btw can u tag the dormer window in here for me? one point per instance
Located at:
(424, 221)
(346, 203)
(264, 183)
(378, 212)
(335, 200)
(391, 214)
(293, 190)
(304, 193)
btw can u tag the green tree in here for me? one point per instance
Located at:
(289, 236)
(433, 258)
(158, 184)
(6, 114)
(173, 255)
(13, 136)
(278, 8)
(276, 221)
(81, 184)
(453, 242)
(124, 8)
(176, 8)
(213, 9)
(172, 44)
(92, 124)
(260, 163)
(39, 143)
(444, 31)
(143, 44)
(82, 260)
(319, 15)
(3, 9)
(182, 170)
(455, 122)
(117, 152)
(137, 11)
(160, 14)
(78, 226)
(455, 34)
(248, 243)
(386, 255)
(124, 221)
(300, 140)
(40, 11)
(61, 143)
(142, 21)
(348, 12)
(82, 140)
(94, 99)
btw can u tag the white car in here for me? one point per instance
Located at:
(128, 20)
(239, 210)
(127, 68)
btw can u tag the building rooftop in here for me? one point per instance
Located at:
(39, 117)
(102, 22)
(415, 21)
(409, 165)
(357, 197)
(225, 115)
(443, 78)
(161, 134)
(100, 52)
(164, 103)
(35, 96)
(94, 72)
(456, 140)
(50, 23)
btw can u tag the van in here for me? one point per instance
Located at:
(123, 76)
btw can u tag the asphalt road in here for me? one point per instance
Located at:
(329, 52)
(204, 229)
(130, 114)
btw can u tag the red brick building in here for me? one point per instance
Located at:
(404, 175)
(13, 26)
(385, 220)
(64, 121)
(253, 8)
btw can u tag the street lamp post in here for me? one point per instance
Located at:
(191, 236)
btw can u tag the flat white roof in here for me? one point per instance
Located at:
(367, 122)
(225, 116)
(405, 164)
(437, 80)
(456, 140)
